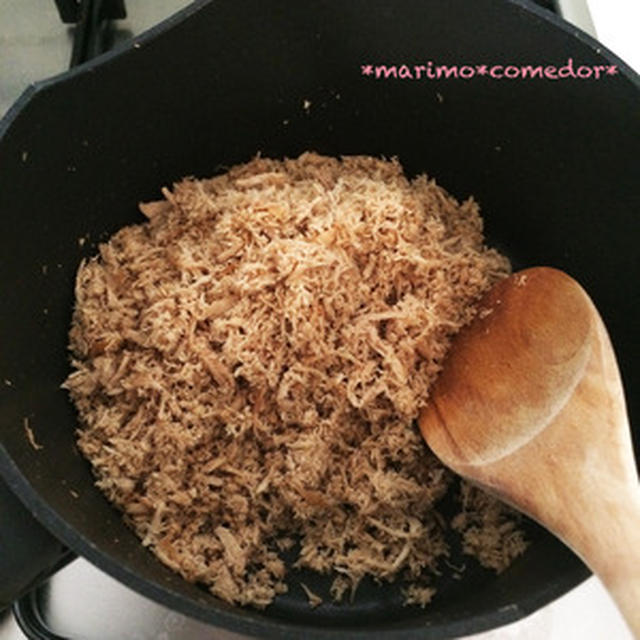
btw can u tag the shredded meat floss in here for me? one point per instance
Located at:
(248, 365)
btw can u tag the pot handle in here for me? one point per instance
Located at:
(28, 552)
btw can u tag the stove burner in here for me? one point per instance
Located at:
(93, 34)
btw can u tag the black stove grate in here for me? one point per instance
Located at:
(93, 31)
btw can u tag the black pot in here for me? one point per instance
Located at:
(552, 161)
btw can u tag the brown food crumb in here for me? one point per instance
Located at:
(418, 595)
(340, 585)
(489, 531)
(314, 599)
(248, 365)
(30, 435)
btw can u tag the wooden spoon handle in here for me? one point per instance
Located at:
(611, 549)
(604, 505)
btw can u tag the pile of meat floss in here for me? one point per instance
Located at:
(248, 365)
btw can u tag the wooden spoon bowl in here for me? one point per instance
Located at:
(530, 406)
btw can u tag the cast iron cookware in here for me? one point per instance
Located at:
(553, 163)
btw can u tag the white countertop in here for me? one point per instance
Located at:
(617, 23)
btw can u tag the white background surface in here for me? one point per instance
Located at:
(617, 24)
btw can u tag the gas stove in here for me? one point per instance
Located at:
(82, 603)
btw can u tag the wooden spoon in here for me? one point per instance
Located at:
(530, 406)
